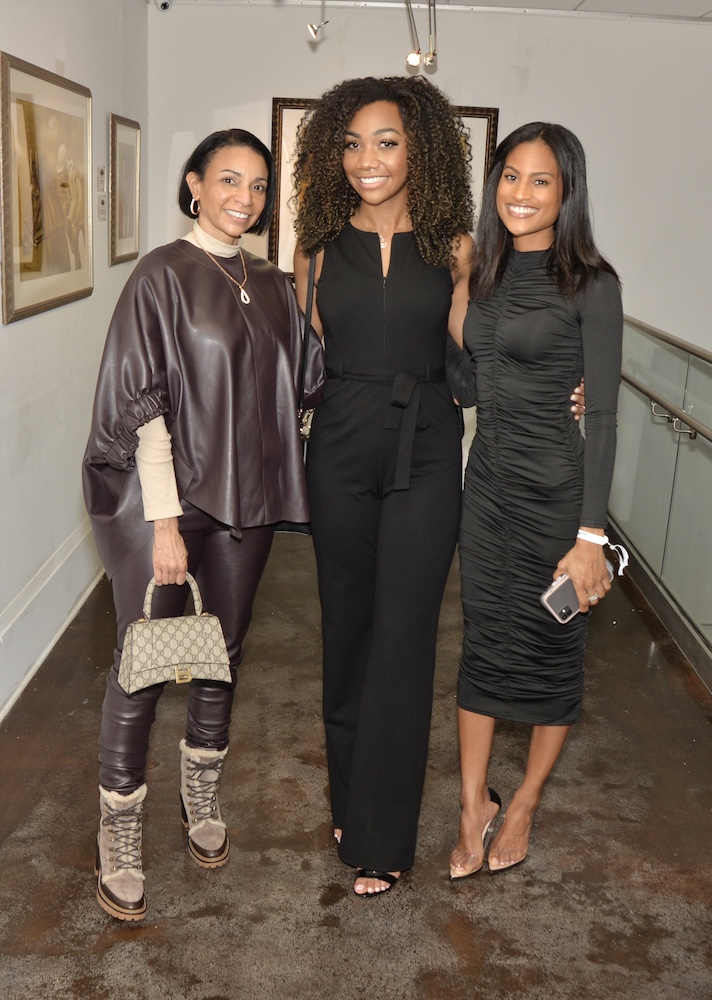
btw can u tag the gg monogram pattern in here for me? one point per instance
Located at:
(180, 649)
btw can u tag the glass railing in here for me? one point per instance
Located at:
(661, 498)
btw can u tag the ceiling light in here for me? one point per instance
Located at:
(313, 29)
(431, 56)
(413, 57)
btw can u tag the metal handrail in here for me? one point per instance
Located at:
(674, 414)
(698, 352)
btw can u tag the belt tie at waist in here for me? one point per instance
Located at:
(405, 396)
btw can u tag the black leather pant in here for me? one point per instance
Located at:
(228, 571)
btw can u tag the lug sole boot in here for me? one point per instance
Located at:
(200, 772)
(119, 870)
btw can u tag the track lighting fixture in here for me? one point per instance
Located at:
(413, 57)
(431, 57)
(313, 29)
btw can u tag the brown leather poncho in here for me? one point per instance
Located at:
(224, 375)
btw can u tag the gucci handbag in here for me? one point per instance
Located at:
(180, 649)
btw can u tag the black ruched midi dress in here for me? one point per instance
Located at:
(384, 473)
(531, 482)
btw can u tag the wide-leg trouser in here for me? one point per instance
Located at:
(228, 571)
(383, 556)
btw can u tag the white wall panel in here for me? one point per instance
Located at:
(48, 363)
(634, 91)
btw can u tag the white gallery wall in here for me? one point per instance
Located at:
(48, 362)
(636, 92)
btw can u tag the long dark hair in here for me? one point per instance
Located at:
(575, 259)
(439, 194)
(203, 153)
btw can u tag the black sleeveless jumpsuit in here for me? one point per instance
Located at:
(384, 471)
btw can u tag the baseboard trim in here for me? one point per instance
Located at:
(35, 619)
(681, 630)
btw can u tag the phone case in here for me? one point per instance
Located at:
(560, 598)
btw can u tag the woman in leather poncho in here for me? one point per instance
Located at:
(194, 455)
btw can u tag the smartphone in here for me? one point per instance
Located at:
(560, 598)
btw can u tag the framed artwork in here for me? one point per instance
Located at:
(481, 124)
(287, 112)
(45, 168)
(124, 188)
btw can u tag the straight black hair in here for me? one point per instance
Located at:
(575, 258)
(203, 153)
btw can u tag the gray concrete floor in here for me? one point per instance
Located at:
(613, 901)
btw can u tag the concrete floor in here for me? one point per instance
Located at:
(613, 901)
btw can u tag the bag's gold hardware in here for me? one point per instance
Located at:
(183, 674)
(305, 423)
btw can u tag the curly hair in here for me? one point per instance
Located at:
(438, 152)
(575, 259)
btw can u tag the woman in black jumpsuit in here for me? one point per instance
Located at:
(384, 459)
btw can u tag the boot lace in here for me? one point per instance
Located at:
(202, 788)
(125, 841)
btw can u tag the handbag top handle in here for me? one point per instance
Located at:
(148, 599)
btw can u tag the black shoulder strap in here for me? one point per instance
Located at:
(307, 329)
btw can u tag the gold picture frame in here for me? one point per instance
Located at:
(124, 188)
(287, 112)
(45, 175)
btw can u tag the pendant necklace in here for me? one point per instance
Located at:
(382, 242)
(245, 298)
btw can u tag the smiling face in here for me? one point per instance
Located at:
(375, 154)
(529, 195)
(232, 192)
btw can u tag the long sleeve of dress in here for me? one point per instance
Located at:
(601, 319)
(460, 373)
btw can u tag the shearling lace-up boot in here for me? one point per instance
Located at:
(200, 771)
(119, 887)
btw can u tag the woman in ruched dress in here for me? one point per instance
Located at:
(384, 203)
(545, 308)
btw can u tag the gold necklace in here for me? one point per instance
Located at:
(245, 298)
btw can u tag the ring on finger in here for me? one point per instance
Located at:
(592, 597)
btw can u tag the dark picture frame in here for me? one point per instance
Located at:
(287, 113)
(124, 188)
(481, 124)
(46, 180)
